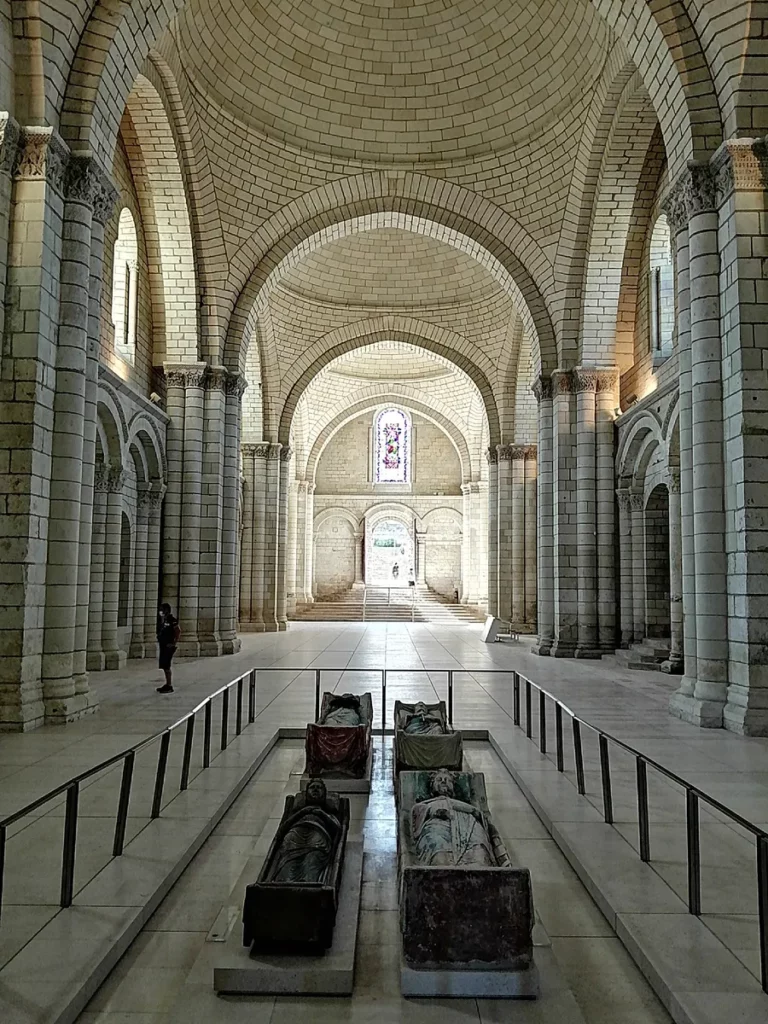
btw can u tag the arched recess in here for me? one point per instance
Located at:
(445, 343)
(337, 512)
(622, 165)
(331, 426)
(646, 428)
(442, 210)
(157, 175)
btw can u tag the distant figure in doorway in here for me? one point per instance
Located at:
(168, 634)
(411, 578)
(395, 571)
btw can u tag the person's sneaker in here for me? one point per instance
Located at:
(165, 689)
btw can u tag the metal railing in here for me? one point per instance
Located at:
(693, 795)
(72, 787)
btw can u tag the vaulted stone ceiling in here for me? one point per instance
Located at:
(431, 80)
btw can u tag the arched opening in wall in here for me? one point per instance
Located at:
(389, 556)
(657, 588)
(125, 286)
(124, 589)
(661, 291)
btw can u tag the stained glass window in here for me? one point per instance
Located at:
(392, 447)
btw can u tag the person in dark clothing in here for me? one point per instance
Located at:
(167, 637)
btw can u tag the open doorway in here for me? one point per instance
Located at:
(389, 559)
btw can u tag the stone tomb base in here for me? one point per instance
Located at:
(343, 783)
(331, 974)
(471, 984)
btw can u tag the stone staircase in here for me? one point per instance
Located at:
(648, 655)
(388, 604)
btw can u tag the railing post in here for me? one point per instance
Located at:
(162, 762)
(383, 700)
(450, 696)
(225, 719)
(207, 728)
(188, 739)
(528, 708)
(643, 823)
(70, 844)
(762, 906)
(239, 712)
(578, 756)
(605, 772)
(122, 804)
(542, 722)
(516, 698)
(559, 737)
(3, 832)
(317, 694)
(252, 697)
(694, 852)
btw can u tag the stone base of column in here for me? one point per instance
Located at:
(95, 661)
(21, 717)
(282, 625)
(707, 714)
(672, 666)
(357, 585)
(141, 650)
(60, 710)
(588, 653)
(543, 648)
(745, 721)
(188, 649)
(115, 659)
(563, 649)
(251, 627)
(231, 645)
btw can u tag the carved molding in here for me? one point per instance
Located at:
(583, 379)
(105, 195)
(542, 388)
(740, 165)
(607, 381)
(516, 452)
(675, 208)
(636, 502)
(41, 155)
(108, 478)
(186, 376)
(9, 144)
(492, 456)
(700, 191)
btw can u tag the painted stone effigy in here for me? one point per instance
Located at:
(423, 738)
(462, 904)
(292, 906)
(338, 745)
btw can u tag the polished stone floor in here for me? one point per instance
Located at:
(630, 705)
(166, 976)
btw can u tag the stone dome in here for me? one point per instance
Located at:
(394, 80)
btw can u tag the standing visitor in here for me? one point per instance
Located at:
(168, 634)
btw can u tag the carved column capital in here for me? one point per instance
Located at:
(286, 454)
(516, 452)
(675, 208)
(215, 379)
(699, 189)
(10, 136)
(185, 376)
(235, 385)
(673, 480)
(623, 498)
(41, 155)
(636, 502)
(492, 456)
(256, 451)
(542, 388)
(584, 379)
(562, 383)
(105, 195)
(740, 165)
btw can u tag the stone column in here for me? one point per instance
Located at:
(359, 545)
(114, 657)
(626, 559)
(607, 399)
(230, 515)
(309, 543)
(282, 538)
(301, 533)
(269, 540)
(152, 598)
(105, 196)
(585, 384)
(675, 661)
(140, 572)
(291, 558)
(9, 141)
(421, 559)
(504, 531)
(519, 454)
(564, 535)
(545, 607)
(27, 393)
(530, 485)
(211, 514)
(707, 456)
(467, 587)
(677, 214)
(637, 511)
(493, 532)
(254, 457)
(95, 653)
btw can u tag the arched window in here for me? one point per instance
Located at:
(392, 447)
(661, 290)
(125, 286)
